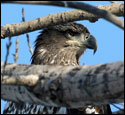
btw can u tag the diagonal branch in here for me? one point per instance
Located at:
(61, 85)
(82, 6)
(115, 8)
(55, 19)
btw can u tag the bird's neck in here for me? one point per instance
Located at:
(56, 57)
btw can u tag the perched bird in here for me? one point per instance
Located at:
(60, 45)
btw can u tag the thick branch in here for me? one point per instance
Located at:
(54, 19)
(89, 8)
(70, 86)
(115, 8)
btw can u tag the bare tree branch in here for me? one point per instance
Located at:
(117, 107)
(115, 8)
(55, 19)
(27, 35)
(7, 54)
(16, 52)
(82, 6)
(61, 85)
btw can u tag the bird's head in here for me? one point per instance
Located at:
(77, 36)
(63, 44)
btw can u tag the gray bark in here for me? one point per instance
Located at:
(69, 86)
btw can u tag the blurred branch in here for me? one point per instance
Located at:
(6, 58)
(117, 107)
(116, 9)
(69, 16)
(16, 52)
(27, 35)
(59, 85)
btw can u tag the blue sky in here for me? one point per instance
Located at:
(110, 38)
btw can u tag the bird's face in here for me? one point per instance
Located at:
(63, 44)
(81, 40)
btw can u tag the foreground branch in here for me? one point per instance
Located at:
(55, 19)
(70, 86)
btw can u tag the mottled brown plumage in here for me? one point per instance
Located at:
(53, 45)
(60, 45)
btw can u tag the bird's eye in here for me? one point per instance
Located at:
(87, 36)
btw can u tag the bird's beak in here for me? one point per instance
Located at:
(91, 43)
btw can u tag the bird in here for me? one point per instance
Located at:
(62, 44)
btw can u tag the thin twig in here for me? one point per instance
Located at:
(16, 57)
(28, 41)
(7, 54)
(27, 35)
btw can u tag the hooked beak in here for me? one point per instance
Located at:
(91, 43)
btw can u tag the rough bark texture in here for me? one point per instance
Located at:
(54, 19)
(64, 86)
(115, 8)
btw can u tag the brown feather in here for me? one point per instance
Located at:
(51, 49)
